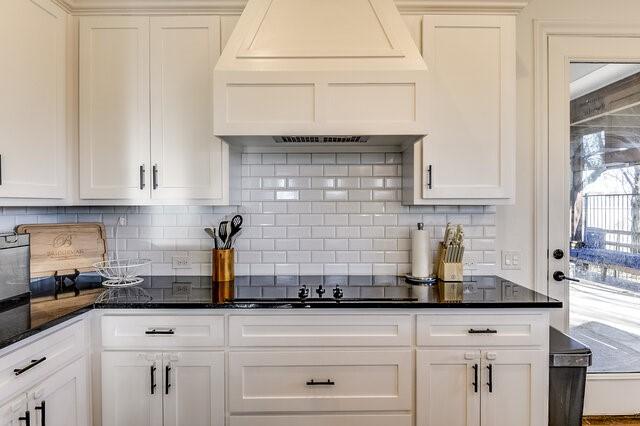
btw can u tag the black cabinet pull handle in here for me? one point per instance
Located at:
(485, 331)
(34, 362)
(167, 376)
(475, 378)
(142, 173)
(490, 382)
(153, 379)
(43, 413)
(429, 176)
(155, 176)
(329, 382)
(154, 331)
(26, 418)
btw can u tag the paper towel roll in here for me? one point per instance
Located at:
(420, 253)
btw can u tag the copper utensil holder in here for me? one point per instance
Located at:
(223, 265)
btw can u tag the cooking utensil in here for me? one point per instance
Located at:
(236, 224)
(222, 231)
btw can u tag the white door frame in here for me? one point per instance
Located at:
(606, 393)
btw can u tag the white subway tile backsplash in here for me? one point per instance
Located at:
(332, 195)
(298, 158)
(286, 171)
(360, 170)
(323, 158)
(336, 170)
(373, 158)
(304, 213)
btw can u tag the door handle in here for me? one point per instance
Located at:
(485, 331)
(429, 176)
(490, 382)
(34, 362)
(43, 413)
(475, 378)
(153, 379)
(560, 276)
(26, 418)
(167, 376)
(142, 175)
(329, 382)
(154, 331)
(155, 176)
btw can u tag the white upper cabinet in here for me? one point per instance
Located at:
(186, 159)
(114, 107)
(33, 151)
(468, 155)
(146, 110)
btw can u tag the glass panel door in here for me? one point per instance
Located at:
(604, 213)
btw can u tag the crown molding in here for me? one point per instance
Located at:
(235, 7)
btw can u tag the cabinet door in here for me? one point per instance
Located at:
(470, 149)
(187, 160)
(193, 389)
(62, 399)
(32, 105)
(13, 413)
(129, 396)
(114, 107)
(518, 390)
(448, 388)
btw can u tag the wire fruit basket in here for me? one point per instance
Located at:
(121, 272)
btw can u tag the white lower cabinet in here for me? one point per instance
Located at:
(59, 400)
(325, 420)
(15, 412)
(152, 388)
(519, 391)
(481, 388)
(320, 381)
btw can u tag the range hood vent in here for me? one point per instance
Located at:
(320, 67)
(321, 139)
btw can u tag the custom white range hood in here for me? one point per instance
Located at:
(299, 72)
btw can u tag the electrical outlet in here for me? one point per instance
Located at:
(471, 259)
(181, 289)
(122, 221)
(511, 260)
(181, 262)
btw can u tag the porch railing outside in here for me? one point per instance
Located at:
(617, 216)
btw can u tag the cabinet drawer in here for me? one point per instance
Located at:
(481, 330)
(31, 363)
(162, 331)
(324, 420)
(320, 381)
(320, 330)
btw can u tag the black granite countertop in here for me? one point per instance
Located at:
(31, 315)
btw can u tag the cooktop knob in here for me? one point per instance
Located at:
(303, 293)
(337, 293)
(320, 291)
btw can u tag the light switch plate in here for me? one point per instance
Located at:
(511, 260)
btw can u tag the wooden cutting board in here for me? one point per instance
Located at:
(63, 248)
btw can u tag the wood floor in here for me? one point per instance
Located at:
(612, 421)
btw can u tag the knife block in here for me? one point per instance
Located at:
(448, 271)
